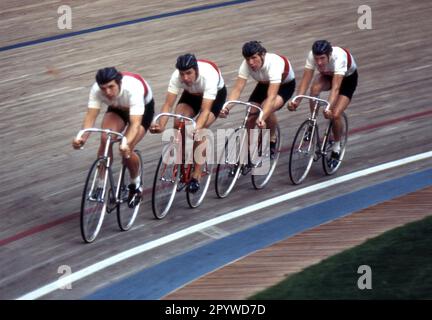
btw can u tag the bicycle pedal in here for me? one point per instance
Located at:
(134, 201)
(246, 169)
(257, 165)
(333, 163)
(181, 186)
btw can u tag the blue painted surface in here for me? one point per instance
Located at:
(159, 280)
(121, 24)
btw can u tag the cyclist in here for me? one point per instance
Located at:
(276, 84)
(337, 72)
(130, 105)
(204, 94)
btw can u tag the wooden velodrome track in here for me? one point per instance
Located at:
(43, 95)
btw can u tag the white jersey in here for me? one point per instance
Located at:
(207, 84)
(275, 69)
(339, 63)
(134, 94)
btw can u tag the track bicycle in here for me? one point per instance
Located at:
(102, 195)
(246, 151)
(174, 173)
(307, 146)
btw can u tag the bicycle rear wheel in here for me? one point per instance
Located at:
(195, 199)
(331, 165)
(165, 183)
(125, 215)
(262, 172)
(94, 201)
(302, 151)
(229, 164)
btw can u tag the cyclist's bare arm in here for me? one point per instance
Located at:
(89, 121)
(206, 106)
(234, 95)
(304, 85)
(167, 106)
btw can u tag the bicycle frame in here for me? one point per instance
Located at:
(249, 107)
(313, 118)
(112, 137)
(185, 171)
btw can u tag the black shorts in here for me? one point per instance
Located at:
(195, 101)
(146, 119)
(348, 86)
(259, 94)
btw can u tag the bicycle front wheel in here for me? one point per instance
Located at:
(229, 164)
(263, 170)
(94, 201)
(165, 183)
(127, 214)
(331, 165)
(302, 151)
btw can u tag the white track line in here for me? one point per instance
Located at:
(212, 222)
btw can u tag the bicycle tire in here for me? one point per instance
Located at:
(125, 215)
(259, 181)
(330, 165)
(229, 166)
(164, 184)
(302, 152)
(93, 209)
(195, 199)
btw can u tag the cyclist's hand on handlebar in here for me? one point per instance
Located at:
(77, 143)
(292, 105)
(191, 132)
(328, 114)
(125, 150)
(156, 128)
(224, 113)
(261, 123)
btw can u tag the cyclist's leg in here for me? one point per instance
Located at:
(188, 106)
(337, 128)
(133, 166)
(200, 150)
(320, 83)
(133, 162)
(339, 107)
(189, 111)
(185, 110)
(201, 147)
(346, 92)
(271, 121)
(257, 97)
(285, 92)
(216, 107)
(112, 120)
(214, 113)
